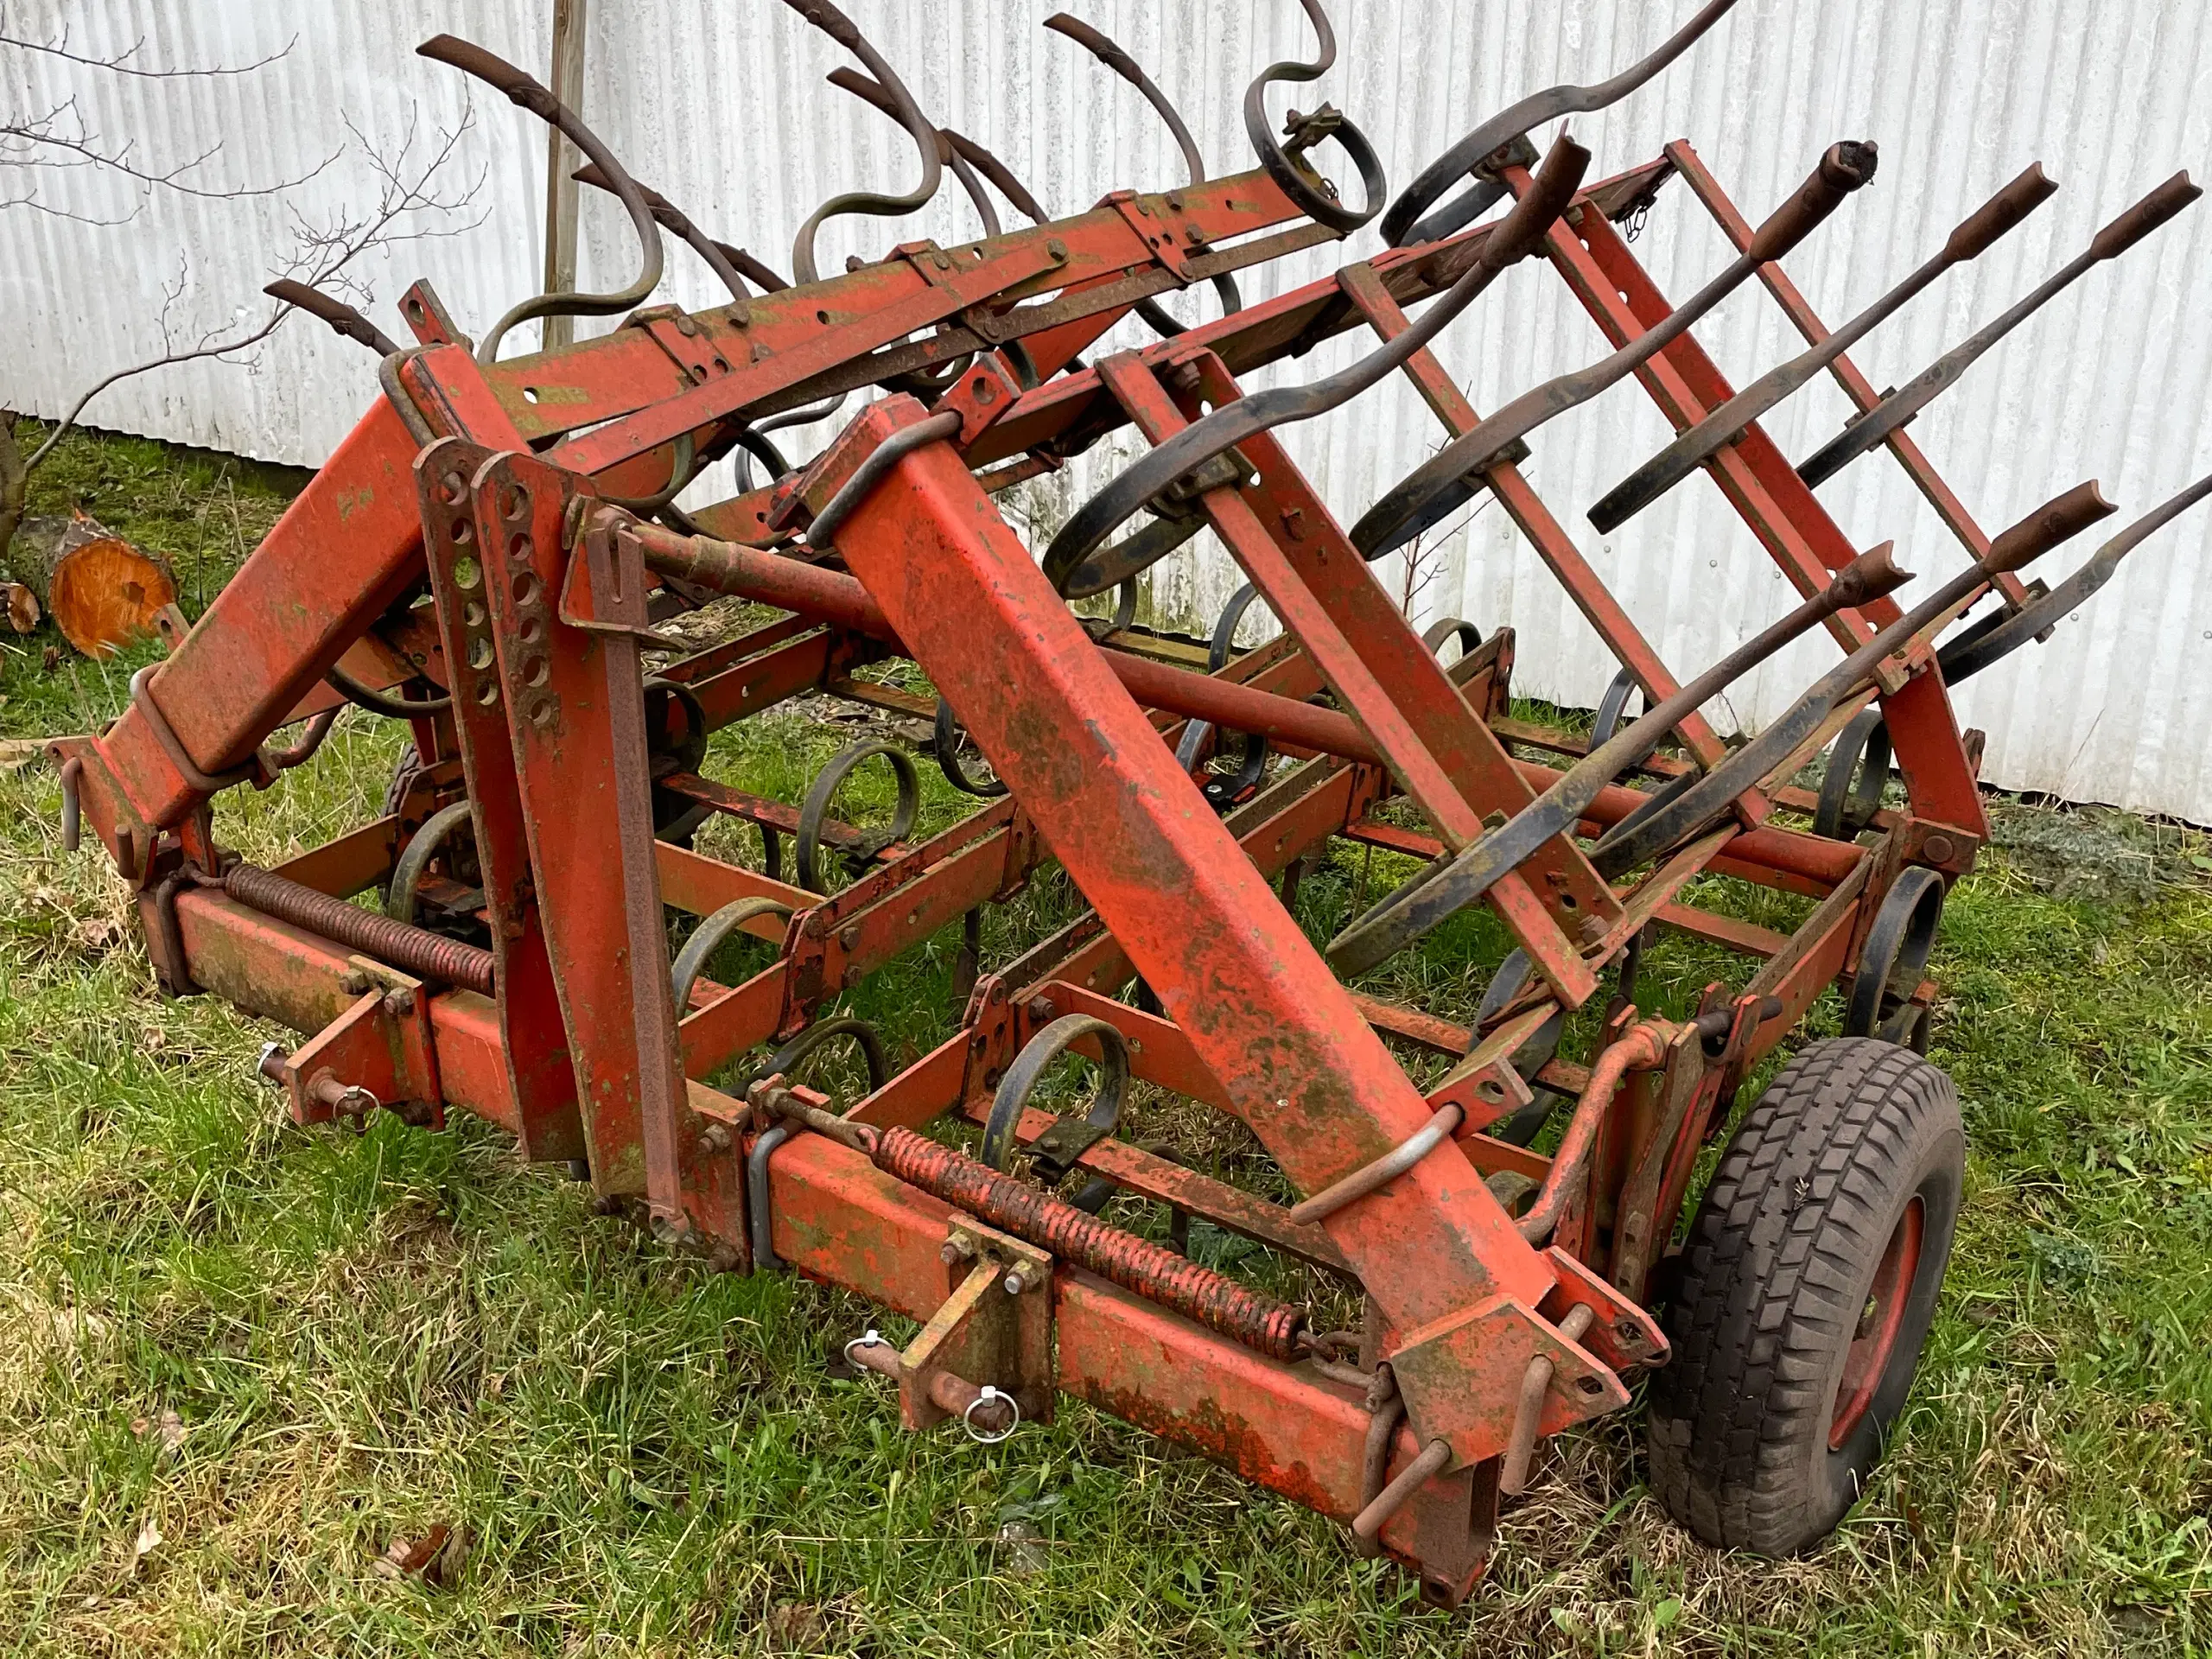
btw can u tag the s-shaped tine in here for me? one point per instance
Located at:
(1103, 49)
(840, 28)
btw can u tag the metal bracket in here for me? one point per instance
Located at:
(1161, 224)
(405, 1010)
(995, 1326)
(1485, 1085)
(690, 347)
(1461, 1375)
(428, 320)
(1059, 1148)
(603, 590)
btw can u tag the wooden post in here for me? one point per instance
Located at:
(562, 158)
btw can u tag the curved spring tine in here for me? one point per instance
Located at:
(1103, 49)
(496, 73)
(806, 416)
(343, 318)
(1001, 176)
(1068, 561)
(847, 79)
(670, 218)
(1306, 188)
(1107, 52)
(839, 28)
(1400, 225)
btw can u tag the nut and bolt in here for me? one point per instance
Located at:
(1040, 1008)
(954, 1251)
(715, 1138)
(1016, 1282)
(399, 1002)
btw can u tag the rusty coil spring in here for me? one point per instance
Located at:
(1157, 1275)
(414, 950)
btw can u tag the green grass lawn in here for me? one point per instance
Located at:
(238, 1359)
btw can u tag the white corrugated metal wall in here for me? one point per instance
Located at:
(721, 105)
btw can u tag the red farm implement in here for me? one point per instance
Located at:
(492, 554)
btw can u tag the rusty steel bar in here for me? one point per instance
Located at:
(1869, 429)
(1969, 240)
(1629, 842)
(1440, 485)
(1638, 1049)
(1068, 561)
(1414, 909)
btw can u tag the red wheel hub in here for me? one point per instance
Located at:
(1876, 1336)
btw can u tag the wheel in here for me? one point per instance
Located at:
(1806, 1291)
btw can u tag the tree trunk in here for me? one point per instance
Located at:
(101, 591)
(14, 482)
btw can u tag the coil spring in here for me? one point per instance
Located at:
(1159, 1275)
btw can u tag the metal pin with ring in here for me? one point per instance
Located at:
(989, 1395)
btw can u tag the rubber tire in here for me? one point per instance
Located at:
(1781, 1258)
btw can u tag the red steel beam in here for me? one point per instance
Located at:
(1260, 1008)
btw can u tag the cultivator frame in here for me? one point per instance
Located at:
(491, 485)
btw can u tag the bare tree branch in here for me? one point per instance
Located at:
(58, 139)
(323, 252)
(117, 63)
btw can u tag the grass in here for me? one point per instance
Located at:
(263, 1354)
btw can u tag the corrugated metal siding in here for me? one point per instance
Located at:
(722, 107)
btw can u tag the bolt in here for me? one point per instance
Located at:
(354, 983)
(1058, 250)
(850, 938)
(685, 326)
(399, 1002)
(1938, 849)
(1593, 929)
(272, 1063)
(1194, 236)
(716, 1137)
(956, 1250)
(1040, 1008)
(1015, 1283)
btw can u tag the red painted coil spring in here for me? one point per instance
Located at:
(1157, 1275)
(414, 950)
